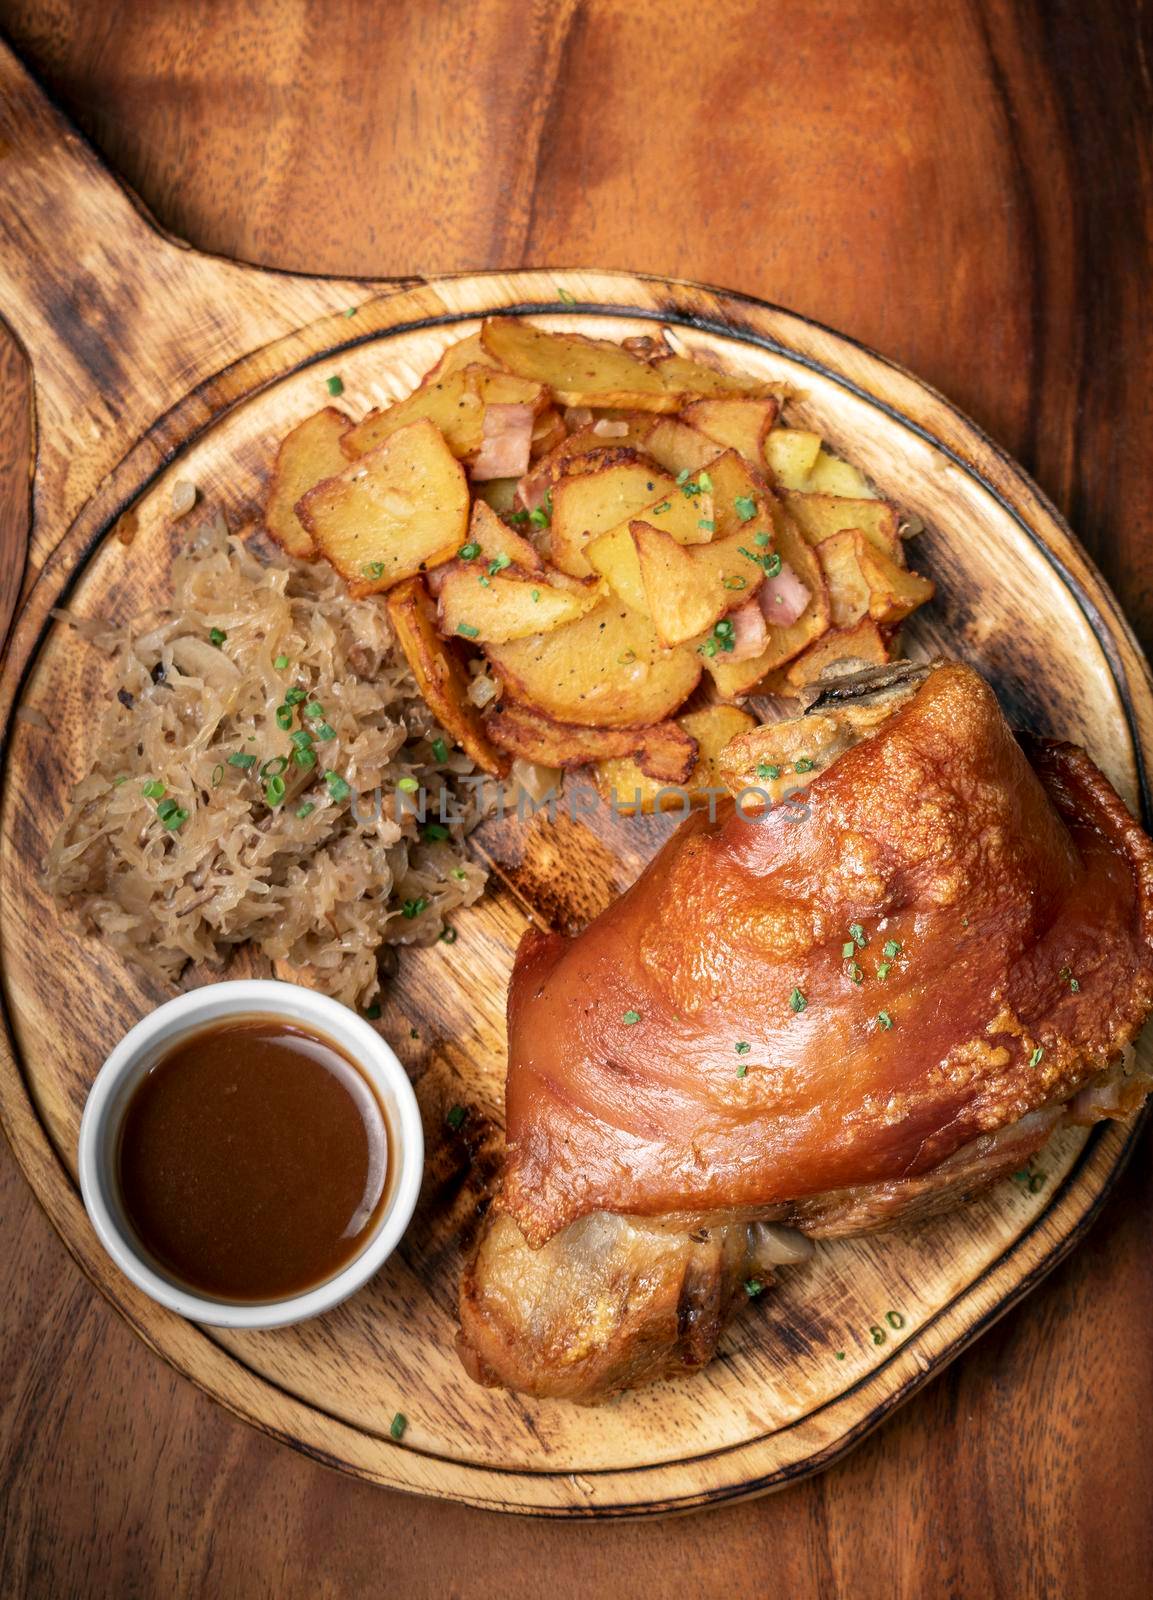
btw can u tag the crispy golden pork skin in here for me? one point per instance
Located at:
(998, 899)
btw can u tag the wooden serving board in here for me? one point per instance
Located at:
(151, 364)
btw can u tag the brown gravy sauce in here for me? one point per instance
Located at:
(253, 1159)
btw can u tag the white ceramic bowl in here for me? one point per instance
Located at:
(141, 1048)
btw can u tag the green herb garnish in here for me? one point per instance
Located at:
(470, 551)
(413, 908)
(455, 1117)
(1035, 1058)
(242, 761)
(768, 769)
(306, 809)
(630, 1017)
(435, 830)
(274, 766)
(280, 663)
(857, 935)
(797, 1001)
(753, 1287)
(334, 385)
(217, 636)
(153, 789)
(742, 1048)
(803, 765)
(337, 787)
(467, 629)
(274, 791)
(884, 1019)
(373, 570)
(439, 750)
(564, 296)
(891, 949)
(284, 717)
(499, 563)
(398, 1424)
(449, 936)
(293, 697)
(409, 785)
(745, 507)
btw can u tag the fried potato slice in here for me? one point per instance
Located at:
(741, 677)
(822, 515)
(894, 592)
(862, 642)
(676, 447)
(440, 674)
(690, 587)
(307, 455)
(790, 455)
(395, 512)
(686, 377)
(593, 502)
(607, 670)
(665, 752)
(494, 607)
(614, 554)
(455, 403)
(579, 371)
(737, 424)
(497, 540)
(466, 352)
(780, 758)
(830, 476)
(840, 556)
(630, 789)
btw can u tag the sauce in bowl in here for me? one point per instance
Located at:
(253, 1159)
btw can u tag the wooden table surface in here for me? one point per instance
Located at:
(963, 184)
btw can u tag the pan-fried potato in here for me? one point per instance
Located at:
(790, 455)
(737, 424)
(579, 371)
(893, 591)
(397, 511)
(767, 758)
(830, 476)
(840, 556)
(307, 455)
(614, 554)
(687, 377)
(492, 606)
(607, 670)
(455, 403)
(499, 542)
(733, 678)
(630, 789)
(440, 674)
(862, 642)
(676, 447)
(690, 587)
(822, 515)
(665, 753)
(499, 493)
(593, 502)
(548, 431)
(466, 352)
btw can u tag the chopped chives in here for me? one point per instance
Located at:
(409, 785)
(274, 791)
(884, 1019)
(284, 717)
(337, 787)
(280, 663)
(768, 769)
(742, 1048)
(630, 1017)
(467, 629)
(439, 750)
(398, 1424)
(241, 760)
(753, 1287)
(455, 1117)
(435, 830)
(217, 636)
(469, 551)
(797, 1000)
(334, 385)
(1035, 1058)
(293, 697)
(745, 507)
(413, 908)
(449, 936)
(306, 809)
(274, 766)
(891, 949)
(153, 789)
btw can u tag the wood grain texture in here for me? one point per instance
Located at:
(1055, 1458)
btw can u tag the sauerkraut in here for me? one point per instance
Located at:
(267, 773)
